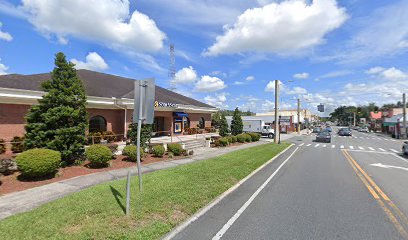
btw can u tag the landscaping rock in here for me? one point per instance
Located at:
(7, 166)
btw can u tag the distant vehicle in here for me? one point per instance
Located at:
(344, 132)
(329, 129)
(405, 148)
(323, 137)
(317, 130)
(258, 126)
(364, 129)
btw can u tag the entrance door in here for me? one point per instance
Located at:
(158, 126)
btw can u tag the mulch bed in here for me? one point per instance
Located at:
(12, 183)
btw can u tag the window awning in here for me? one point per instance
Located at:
(180, 114)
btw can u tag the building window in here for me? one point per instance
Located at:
(201, 123)
(97, 124)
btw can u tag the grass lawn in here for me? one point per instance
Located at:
(170, 196)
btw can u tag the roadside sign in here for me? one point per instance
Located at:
(147, 98)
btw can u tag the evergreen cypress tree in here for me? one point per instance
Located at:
(236, 124)
(60, 119)
(223, 126)
(145, 134)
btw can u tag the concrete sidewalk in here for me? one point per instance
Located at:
(29, 199)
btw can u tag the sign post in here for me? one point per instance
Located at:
(144, 96)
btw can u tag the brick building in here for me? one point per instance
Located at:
(109, 104)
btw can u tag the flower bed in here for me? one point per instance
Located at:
(14, 183)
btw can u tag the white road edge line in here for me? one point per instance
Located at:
(231, 221)
(205, 209)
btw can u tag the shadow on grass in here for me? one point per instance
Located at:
(118, 196)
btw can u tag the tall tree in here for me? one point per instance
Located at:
(216, 120)
(60, 119)
(145, 134)
(224, 131)
(236, 124)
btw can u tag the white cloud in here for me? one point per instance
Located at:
(185, 76)
(209, 84)
(301, 75)
(391, 74)
(217, 100)
(296, 91)
(250, 78)
(270, 87)
(238, 83)
(3, 68)
(334, 74)
(108, 22)
(375, 70)
(93, 62)
(5, 35)
(281, 28)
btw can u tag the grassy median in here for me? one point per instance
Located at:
(170, 196)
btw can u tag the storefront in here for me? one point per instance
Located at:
(109, 105)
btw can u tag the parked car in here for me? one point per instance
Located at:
(405, 148)
(344, 132)
(323, 136)
(328, 128)
(317, 130)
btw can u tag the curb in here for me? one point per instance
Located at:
(206, 208)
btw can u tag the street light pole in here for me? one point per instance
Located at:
(404, 113)
(276, 111)
(298, 115)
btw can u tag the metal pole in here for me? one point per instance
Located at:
(139, 129)
(404, 112)
(277, 130)
(354, 119)
(298, 115)
(128, 194)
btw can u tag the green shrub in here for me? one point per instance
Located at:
(98, 155)
(130, 152)
(17, 145)
(2, 146)
(248, 137)
(158, 150)
(109, 136)
(255, 136)
(36, 163)
(241, 138)
(229, 139)
(223, 142)
(234, 139)
(94, 138)
(175, 148)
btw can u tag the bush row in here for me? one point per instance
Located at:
(98, 136)
(241, 138)
(17, 145)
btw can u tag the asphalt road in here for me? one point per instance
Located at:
(352, 188)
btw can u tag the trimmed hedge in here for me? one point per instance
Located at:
(130, 152)
(241, 138)
(98, 155)
(248, 137)
(223, 142)
(175, 148)
(234, 139)
(36, 163)
(255, 136)
(18, 144)
(229, 139)
(158, 150)
(2, 146)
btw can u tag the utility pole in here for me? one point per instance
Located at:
(404, 112)
(298, 115)
(276, 112)
(354, 119)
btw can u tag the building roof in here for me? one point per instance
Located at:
(98, 85)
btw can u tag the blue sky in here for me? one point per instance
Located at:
(227, 51)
